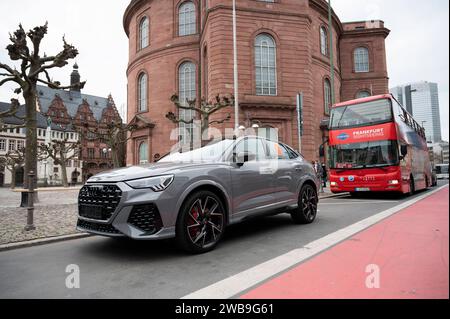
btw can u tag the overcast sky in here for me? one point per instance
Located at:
(417, 48)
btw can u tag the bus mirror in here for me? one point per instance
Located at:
(404, 150)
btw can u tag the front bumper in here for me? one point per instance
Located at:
(138, 214)
(350, 188)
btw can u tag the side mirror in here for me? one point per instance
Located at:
(244, 157)
(404, 150)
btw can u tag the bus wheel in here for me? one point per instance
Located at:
(412, 186)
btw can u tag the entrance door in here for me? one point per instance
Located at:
(20, 173)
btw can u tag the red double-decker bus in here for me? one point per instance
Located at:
(377, 146)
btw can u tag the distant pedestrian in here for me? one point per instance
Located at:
(319, 173)
(324, 175)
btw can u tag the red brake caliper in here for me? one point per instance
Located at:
(194, 231)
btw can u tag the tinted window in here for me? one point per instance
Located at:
(292, 154)
(277, 151)
(251, 145)
(362, 114)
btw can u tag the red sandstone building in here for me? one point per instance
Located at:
(186, 47)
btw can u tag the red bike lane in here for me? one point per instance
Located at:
(404, 256)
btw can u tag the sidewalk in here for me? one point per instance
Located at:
(404, 256)
(54, 215)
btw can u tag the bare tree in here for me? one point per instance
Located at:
(115, 136)
(13, 160)
(60, 151)
(204, 111)
(32, 66)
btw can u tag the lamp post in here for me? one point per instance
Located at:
(235, 66)
(30, 209)
(330, 32)
(45, 173)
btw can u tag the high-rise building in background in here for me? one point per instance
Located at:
(421, 99)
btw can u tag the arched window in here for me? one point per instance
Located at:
(142, 92)
(265, 64)
(187, 92)
(143, 153)
(327, 96)
(323, 41)
(144, 33)
(361, 58)
(362, 94)
(187, 19)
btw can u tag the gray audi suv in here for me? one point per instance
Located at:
(193, 196)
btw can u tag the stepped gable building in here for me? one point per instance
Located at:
(186, 47)
(87, 113)
(13, 138)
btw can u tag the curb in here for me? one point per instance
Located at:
(42, 241)
(333, 195)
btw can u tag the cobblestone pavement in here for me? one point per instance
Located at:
(55, 215)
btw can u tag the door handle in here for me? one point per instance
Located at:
(298, 168)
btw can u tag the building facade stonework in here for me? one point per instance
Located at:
(186, 47)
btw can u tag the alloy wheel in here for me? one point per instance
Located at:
(309, 203)
(205, 222)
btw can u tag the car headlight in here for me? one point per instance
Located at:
(156, 184)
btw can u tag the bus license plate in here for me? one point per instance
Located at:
(363, 189)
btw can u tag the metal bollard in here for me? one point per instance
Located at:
(30, 218)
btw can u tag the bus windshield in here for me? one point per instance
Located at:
(442, 169)
(363, 114)
(364, 155)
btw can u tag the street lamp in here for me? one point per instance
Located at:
(235, 66)
(45, 173)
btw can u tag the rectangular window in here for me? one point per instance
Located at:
(12, 145)
(91, 153)
(2, 145)
(20, 144)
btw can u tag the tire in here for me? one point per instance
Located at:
(201, 223)
(412, 186)
(306, 212)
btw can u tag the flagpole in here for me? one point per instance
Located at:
(235, 62)
(330, 32)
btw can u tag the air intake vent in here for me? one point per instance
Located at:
(146, 218)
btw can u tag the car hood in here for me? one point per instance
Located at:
(135, 172)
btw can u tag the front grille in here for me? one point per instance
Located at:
(146, 218)
(103, 199)
(101, 228)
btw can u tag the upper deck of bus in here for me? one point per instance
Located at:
(364, 100)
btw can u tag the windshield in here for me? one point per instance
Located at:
(208, 153)
(441, 169)
(362, 114)
(365, 155)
